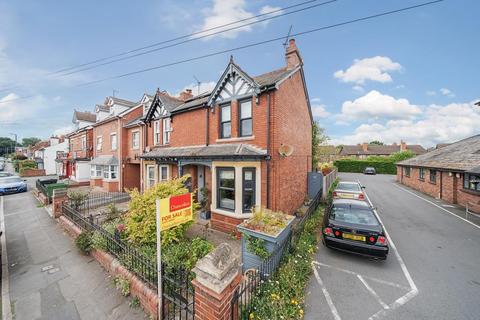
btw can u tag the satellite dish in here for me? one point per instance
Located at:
(285, 150)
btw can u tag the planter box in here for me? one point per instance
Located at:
(272, 243)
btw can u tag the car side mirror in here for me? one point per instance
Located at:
(363, 187)
(25, 180)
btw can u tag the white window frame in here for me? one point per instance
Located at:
(150, 181)
(156, 132)
(136, 133)
(84, 143)
(95, 169)
(160, 178)
(112, 136)
(167, 129)
(99, 143)
(109, 172)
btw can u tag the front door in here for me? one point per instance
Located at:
(200, 181)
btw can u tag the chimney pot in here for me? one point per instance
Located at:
(292, 55)
(365, 147)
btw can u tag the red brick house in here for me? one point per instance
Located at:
(451, 173)
(113, 167)
(248, 141)
(364, 150)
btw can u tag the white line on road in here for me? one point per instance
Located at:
(372, 292)
(436, 205)
(6, 307)
(333, 309)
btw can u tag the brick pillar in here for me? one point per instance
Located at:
(218, 276)
(58, 198)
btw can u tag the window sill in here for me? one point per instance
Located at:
(434, 183)
(232, 213)
(423, 180)
(472, 192)
(249, 138)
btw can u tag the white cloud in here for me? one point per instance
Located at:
(13, 110)
(431, 93)
(358, 88)
(63, 130)
(225, 12)
(438, 124)
(373, 69)
(447, 92)
(319, 111)
(377, 105)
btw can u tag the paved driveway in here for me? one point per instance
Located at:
(48, 277)
(432, 272)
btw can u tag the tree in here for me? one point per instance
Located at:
(376, 142)
(7, 145)
(318, 138)
(26, 142)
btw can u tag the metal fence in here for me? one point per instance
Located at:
(94, 200)
(41, 186)
(241, 303)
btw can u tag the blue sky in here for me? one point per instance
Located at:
(410, 76)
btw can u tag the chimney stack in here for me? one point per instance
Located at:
(365, 147)
(292, 55)
(403, 145)
(185, 95)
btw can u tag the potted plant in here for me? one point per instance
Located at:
(262, 234)
(204, 212)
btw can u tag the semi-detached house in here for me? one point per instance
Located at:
(248, 142)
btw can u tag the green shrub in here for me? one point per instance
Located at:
(77, 198)
(185, 254)
(257, 247)
(135, 303)
(353, 165)
(98, 241)
(122, 284)
(84, 242)
(28, 164)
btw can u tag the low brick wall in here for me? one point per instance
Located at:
(32, 172)
(225, 223)
(147, 296)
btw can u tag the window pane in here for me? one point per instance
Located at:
(163, 173)
(226, 113)
(227, 179)
(246, 127)
(248, 189)
(226, 130)
(227, 199)
(246, 109)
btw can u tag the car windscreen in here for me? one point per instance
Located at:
(348, 186)
(9, 180)
(353, 214)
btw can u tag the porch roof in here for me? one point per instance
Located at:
(105, 160)
(215, 151)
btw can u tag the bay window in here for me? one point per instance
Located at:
(163, 173)
(225, 121)
(245, 123)
(248, 189)
(96, 171)
(226, 188)
(471, 181)
(166, 130)
(156, 132)
(110, 172)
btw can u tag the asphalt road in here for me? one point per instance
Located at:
(434, 273)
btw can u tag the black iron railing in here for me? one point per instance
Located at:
(94, 200)
(241, 303)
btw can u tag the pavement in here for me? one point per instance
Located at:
(48, 278)
(432, 271)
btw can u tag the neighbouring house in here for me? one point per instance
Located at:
(38, 151)
(328, 153)
(451, 173)
(248, 142)
(76, 162)
(364, 150)
(50, 163)
(111, 167)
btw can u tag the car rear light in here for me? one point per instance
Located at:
(328, 231)
(334, 194)
(337, 233)
(361, 196)
(381, 241)
(371, 239)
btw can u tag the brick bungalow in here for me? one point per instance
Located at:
(451, 173)
(248, 141)
(364, 150)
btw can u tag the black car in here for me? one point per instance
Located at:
(369, 170)
(350, 225)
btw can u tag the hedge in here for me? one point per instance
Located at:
(353, 165)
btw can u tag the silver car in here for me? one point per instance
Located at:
(12, 184)
(349, 190)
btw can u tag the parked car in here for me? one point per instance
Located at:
(4, 174)
(349, 190)
(369, 170)
(352, 226)
(12, 184)
(2, 165)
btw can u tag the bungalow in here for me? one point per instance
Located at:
(364, 150)
(248, 142)
(451, 173)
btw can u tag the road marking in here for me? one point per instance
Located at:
(373, 293)
(436, 205)
(6, 307)
(333, 309)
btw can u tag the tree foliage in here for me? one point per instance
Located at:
(318, 137)
(30, 141)
(376, 142)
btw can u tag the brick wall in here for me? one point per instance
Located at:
(189, 128)
(425, 185)
(76, 144)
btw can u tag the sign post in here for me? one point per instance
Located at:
(170, 212)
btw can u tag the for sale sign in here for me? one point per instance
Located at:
(175, 210)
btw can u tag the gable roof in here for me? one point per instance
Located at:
(123, 102)
(161, 100)
(379, 149)
(272, 77)
(462, 155)
(84, 116)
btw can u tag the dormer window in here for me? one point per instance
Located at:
(245, 121)
(225, 121)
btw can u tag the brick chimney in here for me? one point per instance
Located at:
(365, 147)
(403, 145)
(185, 95)
(292, 55)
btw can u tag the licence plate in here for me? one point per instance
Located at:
(346, 195)
(353, 237)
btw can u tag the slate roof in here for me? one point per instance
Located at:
(196, 101)
(134, 122)
(463, 155)
(169, 102)
(124, 102)
(271, 77)
(384, 150)
(105, 160)
(208, 152)
(102, 107)
(85, 116)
